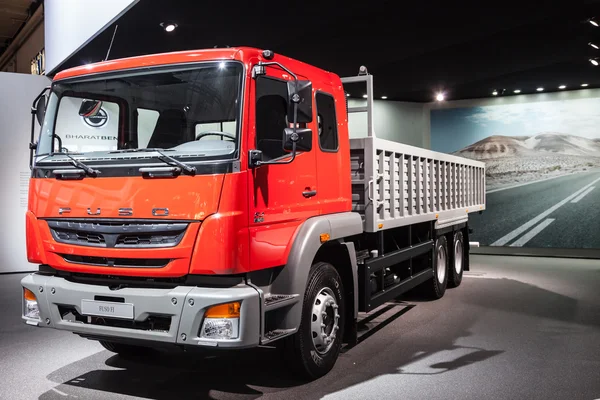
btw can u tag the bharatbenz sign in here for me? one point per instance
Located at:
(90, 137)
(98, 120)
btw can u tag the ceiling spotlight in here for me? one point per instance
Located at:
(594, 45)
(383, 97)
(562, 87)
(593, 22)
(495, 93)
(517, 91)
(594, 62)
(347, 94)
(540, 89)
(168, 26)
(364, 96)
(584, 85)
(440, 96)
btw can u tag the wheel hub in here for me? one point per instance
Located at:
(441, 264)
(324, 320)
(458, 257)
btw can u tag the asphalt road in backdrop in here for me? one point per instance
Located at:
(517, 328)
(559, 213)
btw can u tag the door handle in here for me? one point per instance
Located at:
(309, 193)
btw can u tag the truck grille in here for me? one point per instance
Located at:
(91, 239)
(117, 262)
(148, 240)
(118, 233)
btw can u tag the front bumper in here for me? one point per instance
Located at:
(186, 316)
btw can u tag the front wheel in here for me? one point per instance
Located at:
(314, 349)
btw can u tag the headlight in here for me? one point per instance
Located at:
(221, 322)
(30, 305)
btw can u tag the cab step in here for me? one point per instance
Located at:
(275, 301)
(277, 334)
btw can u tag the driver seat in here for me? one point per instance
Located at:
(170, 129)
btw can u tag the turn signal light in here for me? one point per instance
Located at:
(28, 295)
(30, 305)
(324, 237)
(227, 310)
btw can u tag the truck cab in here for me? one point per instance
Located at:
(160, 183)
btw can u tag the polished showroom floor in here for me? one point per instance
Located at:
(517, 328)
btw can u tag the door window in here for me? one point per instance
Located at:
(271, 116)
(327, 122)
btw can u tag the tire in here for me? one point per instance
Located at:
(436, 287)
(455, 272)
(125, 349)
(305, 351)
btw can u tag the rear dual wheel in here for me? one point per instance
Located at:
(455, 272)
(436, 287)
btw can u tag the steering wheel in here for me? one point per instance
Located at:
(216, 133)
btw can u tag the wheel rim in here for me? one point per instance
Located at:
(441, 264)
(324, 320)
(458, 256)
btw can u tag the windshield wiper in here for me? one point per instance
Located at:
(86, 168)
(187, 168)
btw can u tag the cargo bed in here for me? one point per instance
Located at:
(394, 184)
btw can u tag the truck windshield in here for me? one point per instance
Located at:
(192, 112)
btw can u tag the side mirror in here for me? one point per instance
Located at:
(304, 97)
(89, 108)
(303, 139)
(40, 109)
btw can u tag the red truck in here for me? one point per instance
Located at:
(214, 199)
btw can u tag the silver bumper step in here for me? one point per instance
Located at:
(275, 301)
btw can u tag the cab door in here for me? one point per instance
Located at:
(281, 196)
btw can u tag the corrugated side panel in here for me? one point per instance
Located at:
(395, 184)
(359, 184)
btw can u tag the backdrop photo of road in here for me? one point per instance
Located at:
(542, 169)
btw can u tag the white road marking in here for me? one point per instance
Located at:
(532, 233)
(59, 392)
(582, 195)
(507, 238)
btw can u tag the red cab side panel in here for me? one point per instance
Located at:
(222, 245)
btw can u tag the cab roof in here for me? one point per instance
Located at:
(243, 54)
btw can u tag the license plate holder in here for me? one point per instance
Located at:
(107, 309)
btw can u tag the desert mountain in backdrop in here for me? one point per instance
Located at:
(542, 144)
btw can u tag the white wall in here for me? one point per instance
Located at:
(394, 120)
(16, 96)
(500, 100)
(71, 24)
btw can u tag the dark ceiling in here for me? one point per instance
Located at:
(413, 49)
(13, 15)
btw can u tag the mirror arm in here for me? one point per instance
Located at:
(266, 64)
(31, 140)
(60, 146)
(296, 100)
(291, 159)
(33, 112)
